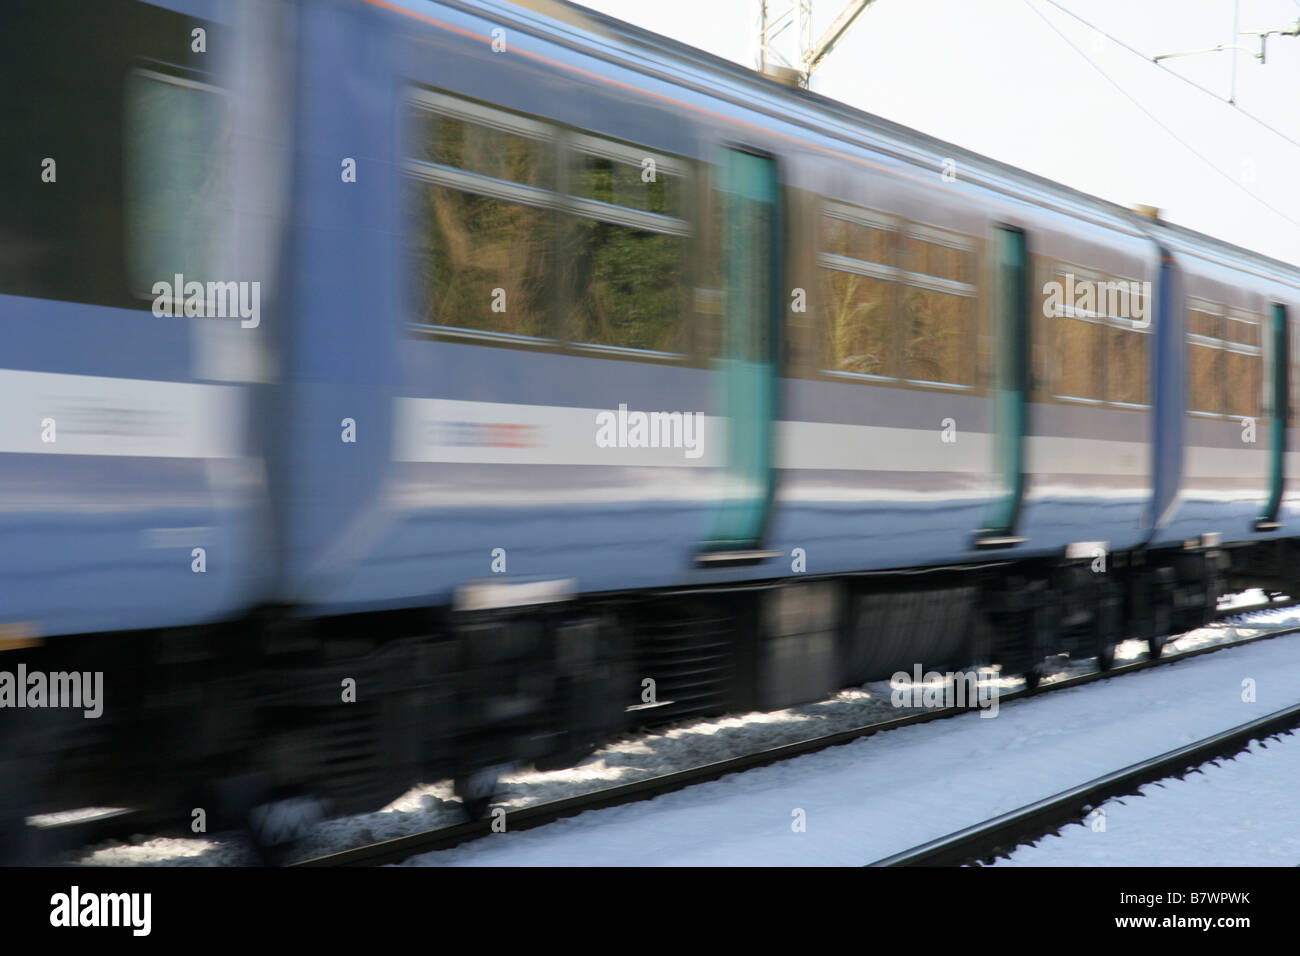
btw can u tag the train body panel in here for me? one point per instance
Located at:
(858, 456)
(469, 440)
(132, 488)
(1232, 440)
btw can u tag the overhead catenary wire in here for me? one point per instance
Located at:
(1190, 82)
(1155, 119)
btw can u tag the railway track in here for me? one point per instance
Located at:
(401, 848)
(984, 842)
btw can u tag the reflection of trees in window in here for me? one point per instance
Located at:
(1205, 373)
(858, 323)
(938, 323)
(1243, 381)
(916, 323)
(859, 307)
(625, 287)
(626, 251)
(937, 346)
(1126, 366)
(624, 184)
(487, 214)
(1080, 345)
(857, 241)
(482, 149)
(481, 224)
(467, 246)
(935, 259)
(1225, 363)
(1100, 356)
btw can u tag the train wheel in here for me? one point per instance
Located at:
(1039, 633)
(476, 791)
(274, 827)
(1033, 676)
(1106, 657)
(1163, 623)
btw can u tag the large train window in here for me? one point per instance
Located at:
(938, 307)
(79, 120)
(176, 143)
(1225, 360)
(480, 196)
(860, 283)
(625, 247)
(1102, 343)
(900, 303)
(526, 233)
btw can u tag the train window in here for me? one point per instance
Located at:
(859, 323)
(176, 142)
(1224, 360)
(484, 150)
(480, 198)
(625, 247)
(864, 241)
(625, 287)
(1103, 337)
(859, 283)
(940, 259)
(1243, 361)
(627, 176)
(1243, 382)
(478, 262)
(1081, 346)
(108, 165)
(1126, 366)
(938, 308)
(504, 238)
(1204, 360)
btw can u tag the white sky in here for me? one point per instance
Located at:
(993, 77)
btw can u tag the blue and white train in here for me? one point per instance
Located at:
(395, 389)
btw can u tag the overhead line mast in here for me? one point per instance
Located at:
(778, 16)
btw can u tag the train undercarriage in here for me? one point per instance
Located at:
(223, 725)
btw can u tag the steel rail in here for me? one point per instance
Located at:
(984, 842)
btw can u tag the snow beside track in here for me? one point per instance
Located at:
(1238, 812)
(881, 795)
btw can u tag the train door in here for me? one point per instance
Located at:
(1279, 355)
(1169, 391)
(749, 364)
(1011, 384)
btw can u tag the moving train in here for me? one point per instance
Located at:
(396, 390)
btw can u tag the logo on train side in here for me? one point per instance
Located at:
(624, 429)
(213, 300)
(1087, 298)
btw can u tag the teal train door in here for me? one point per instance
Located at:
(748, 367)
(1011, 344)
(1278, 396)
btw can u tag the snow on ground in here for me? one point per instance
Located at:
(628, 759)
(1241, 812)
(869, 799)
